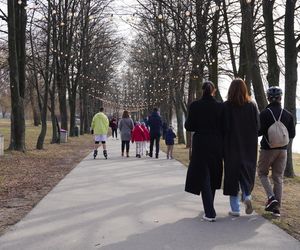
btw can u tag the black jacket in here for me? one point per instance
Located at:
(241, 124)
(155, 124)
(266, 120)
(205, 119)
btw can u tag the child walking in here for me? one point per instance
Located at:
(170, 135)
(138, 137)
(147, 139)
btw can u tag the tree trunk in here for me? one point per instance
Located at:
(35, 111)
(251, 54)
(227, 30)
(273, 68)
(291, 75)
(16, 43)
(41, 138)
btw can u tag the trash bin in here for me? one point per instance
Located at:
(63, 136)
(76, 131)
(1, 145)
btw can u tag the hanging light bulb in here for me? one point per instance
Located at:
(160, 16)
(187, 13)
(20, 2)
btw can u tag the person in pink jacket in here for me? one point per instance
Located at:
(138, 137)
(147, 139)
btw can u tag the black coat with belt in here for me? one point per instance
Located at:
(241, 126)
(204, 118)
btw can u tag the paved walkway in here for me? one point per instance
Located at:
(135, 204)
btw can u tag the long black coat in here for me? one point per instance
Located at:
(204, 118)
(240, 146)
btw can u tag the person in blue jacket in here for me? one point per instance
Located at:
(169, 138)
(155, 124)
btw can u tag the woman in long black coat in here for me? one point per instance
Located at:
(205, 169)
(240, 146)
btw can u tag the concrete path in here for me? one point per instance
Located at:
(135, 204)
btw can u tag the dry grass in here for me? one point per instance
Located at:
(26, 178)
(290, 216)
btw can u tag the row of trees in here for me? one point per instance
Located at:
(181, 43)
(63, 52)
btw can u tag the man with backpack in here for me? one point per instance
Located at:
(277, 127)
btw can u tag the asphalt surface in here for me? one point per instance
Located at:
(135, 204)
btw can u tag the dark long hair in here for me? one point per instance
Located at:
(238, 93)
(208, 88)
(125, 114)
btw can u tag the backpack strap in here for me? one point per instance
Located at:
(274, 116)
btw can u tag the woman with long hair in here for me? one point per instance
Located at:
(241, 124)
(205, 169)
(125, 125)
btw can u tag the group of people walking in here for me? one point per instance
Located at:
(227, 133)
(139, 132)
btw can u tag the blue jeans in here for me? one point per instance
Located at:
(235, 200)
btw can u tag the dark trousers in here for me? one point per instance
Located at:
(208, 195)
(114, 132)
(125, 144)
(156, 139)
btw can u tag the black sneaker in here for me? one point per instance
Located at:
(95, 153)
(271, 204)
(276, 212)
(105, 154)
(150, 154)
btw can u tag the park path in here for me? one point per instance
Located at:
(135, 204)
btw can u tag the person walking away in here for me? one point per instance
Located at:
(155, 124)
(99, 126)
(241, 124)
(125, 126)
(273, 147)
(205, 169)
(147, 138)
(138, 137)
(114, 127)
(169, 139)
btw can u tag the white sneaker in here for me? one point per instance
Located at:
(208, 219)
(234, 214)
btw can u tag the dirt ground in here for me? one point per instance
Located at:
(26, 178)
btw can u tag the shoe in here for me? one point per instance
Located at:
(276, 212)
(136, 155)
(95, 153)
(271, 204)
(150, 154)
(147, 153)
(234, 214)
(105, 153)
(248, 207)
(139, 156)
(122, 154)
(167, 157)
(208, 219)
(127, 154)
(156, 156)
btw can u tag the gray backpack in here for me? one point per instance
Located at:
(277, 133)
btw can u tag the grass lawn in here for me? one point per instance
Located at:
(290, 216)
